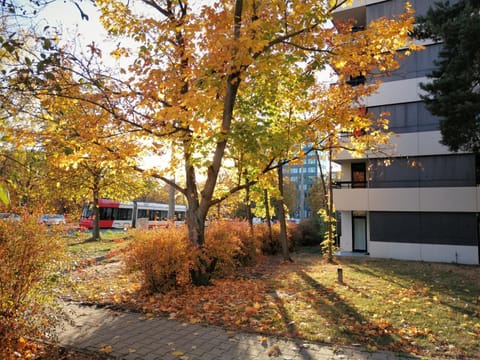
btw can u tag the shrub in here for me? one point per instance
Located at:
(31, 259)
(223, 245)
(271, 246)
(309, 232)
(250, 246)
(165, 257)
(161, 256)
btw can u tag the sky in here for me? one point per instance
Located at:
(66, 16)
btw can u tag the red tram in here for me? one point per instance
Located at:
(123, 215)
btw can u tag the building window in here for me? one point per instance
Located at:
(408, 117)
(423, 171)
(424, 228)
(418, 65)
(359, 175)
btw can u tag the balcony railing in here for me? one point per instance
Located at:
(350, 184)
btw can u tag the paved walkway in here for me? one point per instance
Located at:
(132, 336)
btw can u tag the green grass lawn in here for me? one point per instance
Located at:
(82, 249)
(425, 308)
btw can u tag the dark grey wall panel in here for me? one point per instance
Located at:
(418, 64)
(393, 7)
(407, 117)
(423, 171)
(424, 228)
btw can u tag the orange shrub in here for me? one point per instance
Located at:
(31, 259)
(250, 246)
(271, 246)
(161, 256)
(164, 256)
(223, 244)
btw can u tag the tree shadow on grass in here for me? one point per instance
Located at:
(351, 326)
(427, 279)
(290, 325)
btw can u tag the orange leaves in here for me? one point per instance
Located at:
(107, 349)
(225, 302)
(32, 259)
(252, 310)
(161, 257)
(383, 305)
(374, 47)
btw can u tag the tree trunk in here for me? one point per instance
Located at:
(268, 218)
(322, 178)
(96, 218)
(201, 272)
(171, 191)
(171, 202)
(330, 234)
(281, 217)
(198, 208)
(331, 224)
(249, 209)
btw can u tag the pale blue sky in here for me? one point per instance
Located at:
(65, 16)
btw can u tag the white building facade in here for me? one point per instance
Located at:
(417, 200)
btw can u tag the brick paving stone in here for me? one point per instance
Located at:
(132, 336)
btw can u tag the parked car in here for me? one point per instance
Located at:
(9, 216)
(55, 219)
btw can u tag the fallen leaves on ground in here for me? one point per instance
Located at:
(377, 305)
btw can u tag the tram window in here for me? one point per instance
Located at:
(155, 215)
(106, 213)
(124, 214)
(142, 213)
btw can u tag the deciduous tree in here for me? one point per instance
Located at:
(193, 65)
(84, 139)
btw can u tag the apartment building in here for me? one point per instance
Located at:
(417, 200)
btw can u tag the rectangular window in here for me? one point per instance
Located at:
(108, 213)
(418, 64)
(359, 175)
(407, 117)
(424, 228)
(142, 213)
(423, 171)
(395, 7)
(125, 214)
(179, 216)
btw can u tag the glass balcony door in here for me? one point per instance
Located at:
(359, 175)
(359, 233)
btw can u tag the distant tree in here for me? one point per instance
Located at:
(453, 93)
(290, 194)
(318, 196)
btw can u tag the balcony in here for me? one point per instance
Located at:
(356, 80)
(349, 184)
(446, 199)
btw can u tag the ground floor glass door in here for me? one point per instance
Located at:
(359, 233)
